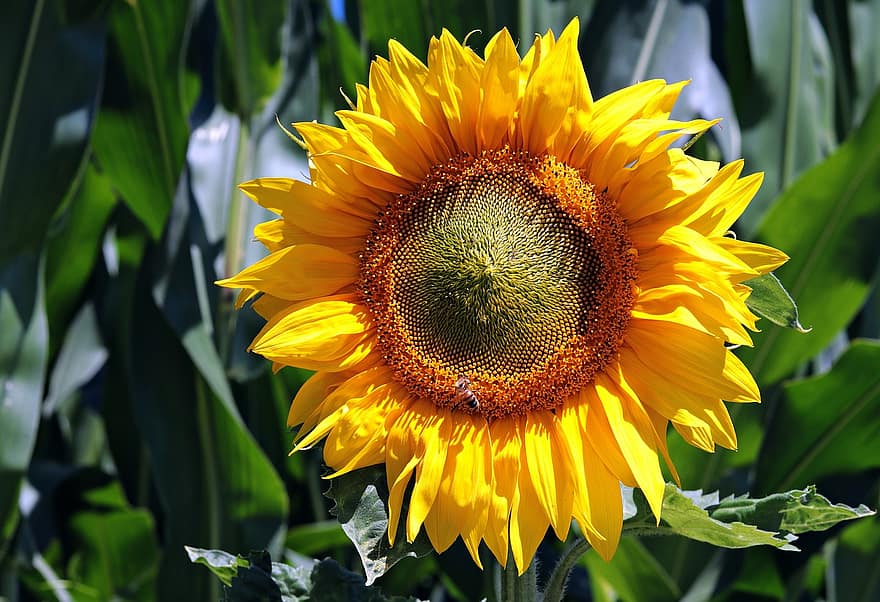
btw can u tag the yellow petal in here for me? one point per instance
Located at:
(553, 93)
(550, 467)
(634, 437)
(310, 208)
(339, 402)
(499, 87)
(358, 438)
(325, 334)
(506, 446)
(279, 234)
(760, 258)
(300, 272)
(604, 504)
(527, 524)
(433, 441)
(692, 359)
(401, 458)
(311, 394)
(454, 73)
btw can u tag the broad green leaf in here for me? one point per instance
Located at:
(249, 65)
(827, 222)
(24, 353)
(141, 131)
(633, 573)
(116, 553)
(311, 538)
(625, 43)
(73, 246)
(794, 511)
(852, 561)
(402, 20)
(759, 574)
(836, 417)
(216, 486)
(82, 355)
(341, 62)
(770, 300)
(184, 290)
(362, 511)
(47, 107)
(864, 48)
(784, 97)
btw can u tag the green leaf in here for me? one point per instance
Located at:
(794, 511)
(853, 560)
(24, 353)
(827, 222)
(362, 511)
(116, 553)
(402, 20)
(629, 42)
(784, 97)
(81, 356)
(249, 66)
(634, 574)
(141, 131)
(311, 538)
(215, 484)
(341, 61)
(74, 242)
(770, 300)
(685, 513)
(47, 107)
(223, 564)
(836, 417)
(864, 48)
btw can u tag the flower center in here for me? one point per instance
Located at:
(503, 284)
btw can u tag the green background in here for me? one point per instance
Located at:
(132, 421)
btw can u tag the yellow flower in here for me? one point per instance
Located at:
(508, 291)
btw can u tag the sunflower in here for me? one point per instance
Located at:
(507, 292)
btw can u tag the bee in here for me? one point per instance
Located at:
(464, 395)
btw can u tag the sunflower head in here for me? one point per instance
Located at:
(507, 291)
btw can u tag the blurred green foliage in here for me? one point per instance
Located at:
(133, 422)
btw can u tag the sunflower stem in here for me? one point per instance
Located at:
(518, 588)
(556, 583)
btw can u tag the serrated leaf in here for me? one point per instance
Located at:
(797, 511)
(223, 564)
(258, 578)
(770, 300)
(254, 581)
(684, 513)
(361, 510)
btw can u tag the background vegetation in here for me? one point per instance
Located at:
(132, 422)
